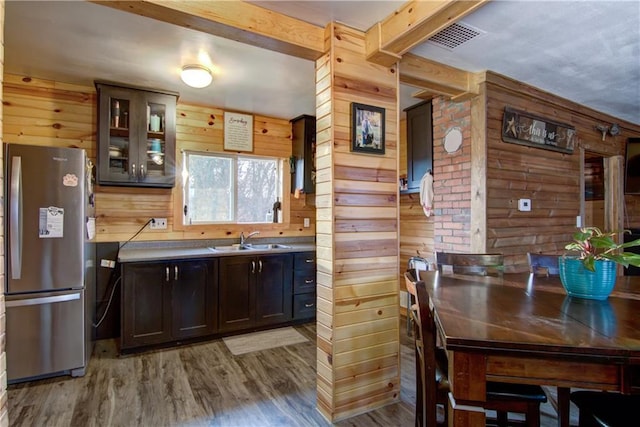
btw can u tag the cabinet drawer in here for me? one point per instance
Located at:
(304, 261)
(304, 306)
(304, 281)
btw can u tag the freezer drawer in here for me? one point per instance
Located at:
(45, 335)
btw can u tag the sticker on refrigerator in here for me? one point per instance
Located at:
(70, 180)
(51, 222)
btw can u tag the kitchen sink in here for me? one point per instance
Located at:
(249, 247)
(231, 248)
(267, 246)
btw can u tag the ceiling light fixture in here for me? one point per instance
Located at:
(196, 76)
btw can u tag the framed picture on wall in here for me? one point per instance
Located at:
(367, 128)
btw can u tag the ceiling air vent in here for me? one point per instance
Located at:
(455, 35)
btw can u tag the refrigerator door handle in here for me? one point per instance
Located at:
(43, 300)
(15, 222)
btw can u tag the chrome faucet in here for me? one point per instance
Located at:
(243, 239)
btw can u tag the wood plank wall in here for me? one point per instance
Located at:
(476, 189)
(550, 179)
(42, 112)
(4, 407)
(357, 235)
(416, 230)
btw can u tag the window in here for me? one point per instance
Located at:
(222, 188)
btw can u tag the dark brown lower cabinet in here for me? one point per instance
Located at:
(304, 285)
(255, 291)
(168, 301)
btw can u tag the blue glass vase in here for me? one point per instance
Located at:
(582, 283)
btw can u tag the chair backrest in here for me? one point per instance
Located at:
(425, 341)
(543, 264)
(417, 264)
(471, 264)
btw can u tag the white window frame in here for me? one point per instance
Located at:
(234, 184)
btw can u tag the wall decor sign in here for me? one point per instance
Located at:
(367, 128)
(238, 132)
(519, 127)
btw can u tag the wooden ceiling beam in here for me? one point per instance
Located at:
(387, 42)
(435, 78)
(412, 25)
(235, 20)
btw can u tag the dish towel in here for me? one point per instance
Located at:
(426, 193)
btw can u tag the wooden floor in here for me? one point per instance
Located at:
(201, 384)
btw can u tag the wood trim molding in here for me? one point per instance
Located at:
(235, 20)
(411, 25)
(479, 156)
(437, 79)
(386, 43)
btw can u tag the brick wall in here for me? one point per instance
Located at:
(452, 177)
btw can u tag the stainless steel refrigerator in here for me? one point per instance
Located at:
(49, 261)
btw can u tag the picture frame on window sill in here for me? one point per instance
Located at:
(367, 128)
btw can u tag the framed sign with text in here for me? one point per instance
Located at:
(519, 127)
(238, 132)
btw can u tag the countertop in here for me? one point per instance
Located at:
(158, 251)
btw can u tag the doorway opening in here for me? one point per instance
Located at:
(594, 191)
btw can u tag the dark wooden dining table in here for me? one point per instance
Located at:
(525, 329)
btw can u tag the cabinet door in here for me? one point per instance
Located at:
(419, 144)
(236, 295)
(136, 137)
(303, 149)
(194, 298)
(274, 289)
(117, 134)
(156, 150)
(146, 310)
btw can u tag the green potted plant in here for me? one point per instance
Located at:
(591, 272)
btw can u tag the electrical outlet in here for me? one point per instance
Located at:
(158, 224)
(306, 223)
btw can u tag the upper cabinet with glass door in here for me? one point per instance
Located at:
(136, 136)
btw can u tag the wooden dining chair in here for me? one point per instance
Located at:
(543, 264)
(432, 385)
(415, 264)
(505, 398)
(547, 265)
(605, 409)
(470, 264)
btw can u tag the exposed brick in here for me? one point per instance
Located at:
(452, 173)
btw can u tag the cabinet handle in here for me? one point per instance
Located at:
(309, 305)
(167, 274)
(309, 261)
(142, 171)
(309, 281)
(260, 266)
(253, 267)
(133, 170)
(175, 273)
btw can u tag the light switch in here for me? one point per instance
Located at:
(524, 205)
(306, 223)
